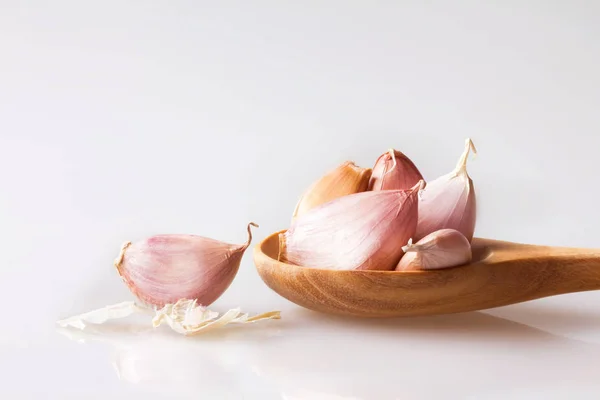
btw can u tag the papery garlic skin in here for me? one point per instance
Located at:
(347, 178)
(441, 249)
(185, 316)
(449, 201)
(361, 231)
(393, 170)
(164, 269)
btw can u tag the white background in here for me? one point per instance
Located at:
(119, 120)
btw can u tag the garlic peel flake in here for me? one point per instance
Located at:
(184, 317)
(187, 318)
(100, 316)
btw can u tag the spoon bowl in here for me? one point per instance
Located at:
(501, 273)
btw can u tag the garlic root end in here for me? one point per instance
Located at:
(119, 260)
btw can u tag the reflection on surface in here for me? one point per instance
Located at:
(209, 365)
(313, 356)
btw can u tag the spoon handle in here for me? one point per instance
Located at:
(512, 273)
(556, 270)
(581, 271)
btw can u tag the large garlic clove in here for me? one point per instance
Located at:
(363, 231)
(441, 249)
(164, 269)
(347, 178)
(394, 171)
(449, 201)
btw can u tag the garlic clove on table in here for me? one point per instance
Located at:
(165, 269)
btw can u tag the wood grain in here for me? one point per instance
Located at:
(502, 273)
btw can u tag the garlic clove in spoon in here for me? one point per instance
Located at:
(393, 170)
(164, 269)
(362, 231)
(441, 249)
(449, 201)
(345, 179)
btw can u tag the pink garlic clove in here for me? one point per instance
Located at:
(449, 201)
(164, 269)
(360, 231)
(347, 178)
(394, 171)
(441, 249)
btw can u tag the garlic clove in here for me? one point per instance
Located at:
(347, 178)
(362, 231)
(449, 201)
(441, 249)
(393, 170)
(164, 269)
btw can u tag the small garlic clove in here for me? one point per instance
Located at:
(441, 249)
(393, 170)
(356, 232)
(347, 178)
(449, 201)
(164, 269)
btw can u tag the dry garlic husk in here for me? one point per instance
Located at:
(441, 249)
(392, 171)
(347, 178)
(362, 231)
(164, 269)
(185, 316)
(449, 201)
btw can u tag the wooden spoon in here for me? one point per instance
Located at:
(501, 273)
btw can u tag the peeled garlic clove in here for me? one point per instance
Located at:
(441, 249)
(164, 269)
(394, 171)
(347, 178)
(363, 231)
(449, 201)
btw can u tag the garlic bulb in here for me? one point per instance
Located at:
(441, 249)
(449, 201)
(346, 179)
(164, 269)
(392, 171)
(363, 231)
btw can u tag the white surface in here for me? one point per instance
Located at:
(119, 120)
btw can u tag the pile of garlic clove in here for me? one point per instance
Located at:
(342, 222)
